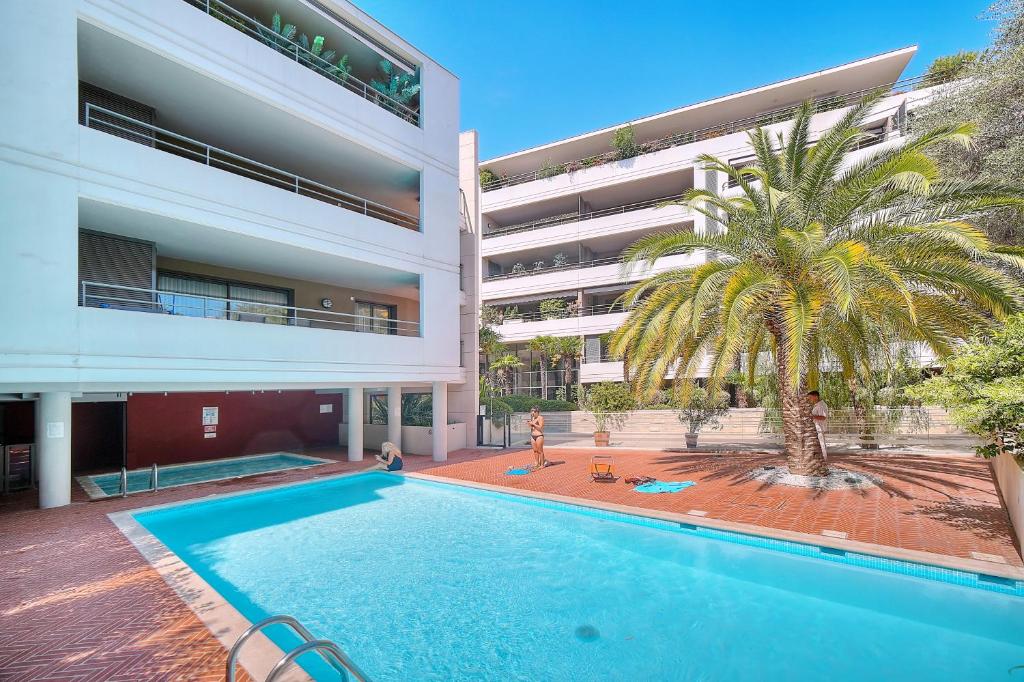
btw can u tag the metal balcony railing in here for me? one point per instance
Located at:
(498, 231)
(136, 299)
(822, 104)
(538, 270)
(567, 313)
(129, 128)
(264, 34)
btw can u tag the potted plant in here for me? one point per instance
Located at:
(699, 409)
(609, 403)
(512, 315)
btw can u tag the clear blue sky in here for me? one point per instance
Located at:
(534, 71)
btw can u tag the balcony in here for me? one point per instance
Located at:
(141, 132)
(823, 104)
(164, 302)
(578, 275)
(310, 56)
(575, 217)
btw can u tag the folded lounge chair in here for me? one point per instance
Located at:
(602, 468)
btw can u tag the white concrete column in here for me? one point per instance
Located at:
(395, 415)
(53, 448)
(355, 424)
(439, 439)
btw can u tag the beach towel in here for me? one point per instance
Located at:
(663, 487)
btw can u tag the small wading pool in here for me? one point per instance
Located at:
(420, 580)
(108, 485)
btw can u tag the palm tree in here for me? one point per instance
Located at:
(547, 348)
(821, 258)
(504, 368)
(570, 348)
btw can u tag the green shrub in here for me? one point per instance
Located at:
(523, 403)
(553, 308)
(983, 387)
(624, 141)
(549, 169)
(487, 176)
(608, 402)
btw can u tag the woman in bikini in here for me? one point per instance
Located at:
(536, 424)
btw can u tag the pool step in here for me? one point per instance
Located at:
(327, 649)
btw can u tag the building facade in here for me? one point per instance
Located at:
(207, 206)
(556, 218)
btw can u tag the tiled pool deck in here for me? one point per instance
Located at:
(78, 602)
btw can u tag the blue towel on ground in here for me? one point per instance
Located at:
(518, 472)
(663, 487)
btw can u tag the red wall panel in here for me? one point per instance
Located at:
(169, 429)
(96, 433)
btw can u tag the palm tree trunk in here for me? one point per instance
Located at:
(860, 414)
(543, 377)
(803, 453)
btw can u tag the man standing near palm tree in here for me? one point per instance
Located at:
(819, 413)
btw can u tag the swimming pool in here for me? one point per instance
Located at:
(106, 485)
(419, 580)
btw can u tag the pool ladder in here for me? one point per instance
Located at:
(327, 649)
(154, 480)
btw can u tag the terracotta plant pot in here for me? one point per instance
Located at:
(691, 440)
(601, 438)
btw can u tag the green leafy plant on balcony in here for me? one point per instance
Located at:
(553, 308)
(487, 176)
(324, 59)
(549, 169)
(281, 36)
(625, 144)
(396, 84)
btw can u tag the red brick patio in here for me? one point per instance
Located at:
(77, 601)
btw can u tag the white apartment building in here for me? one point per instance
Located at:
(556, 218)
(198, 210)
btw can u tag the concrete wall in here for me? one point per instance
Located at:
(416, 440)
(1009, 474)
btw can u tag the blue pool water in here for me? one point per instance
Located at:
(182, 474)
(426, 581)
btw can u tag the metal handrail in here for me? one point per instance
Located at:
(123, 482)
(216, 157)
(464, 212)
(154, 478)
(224, 308)
(337, 660)
(555, 268)
(821, 104)
(604, 309)
(260, 32)
(562, 219)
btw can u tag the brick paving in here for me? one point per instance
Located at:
(945, 505)
(77, 601)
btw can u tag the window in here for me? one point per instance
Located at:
(376, 318)
(377, 409)
(193, 296)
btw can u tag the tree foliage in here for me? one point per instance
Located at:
(983, 387)
(608, 402)
(698, 407)
(820, 259)
(990, 96)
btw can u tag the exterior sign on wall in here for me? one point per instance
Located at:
(211, 415)
(326, 409)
